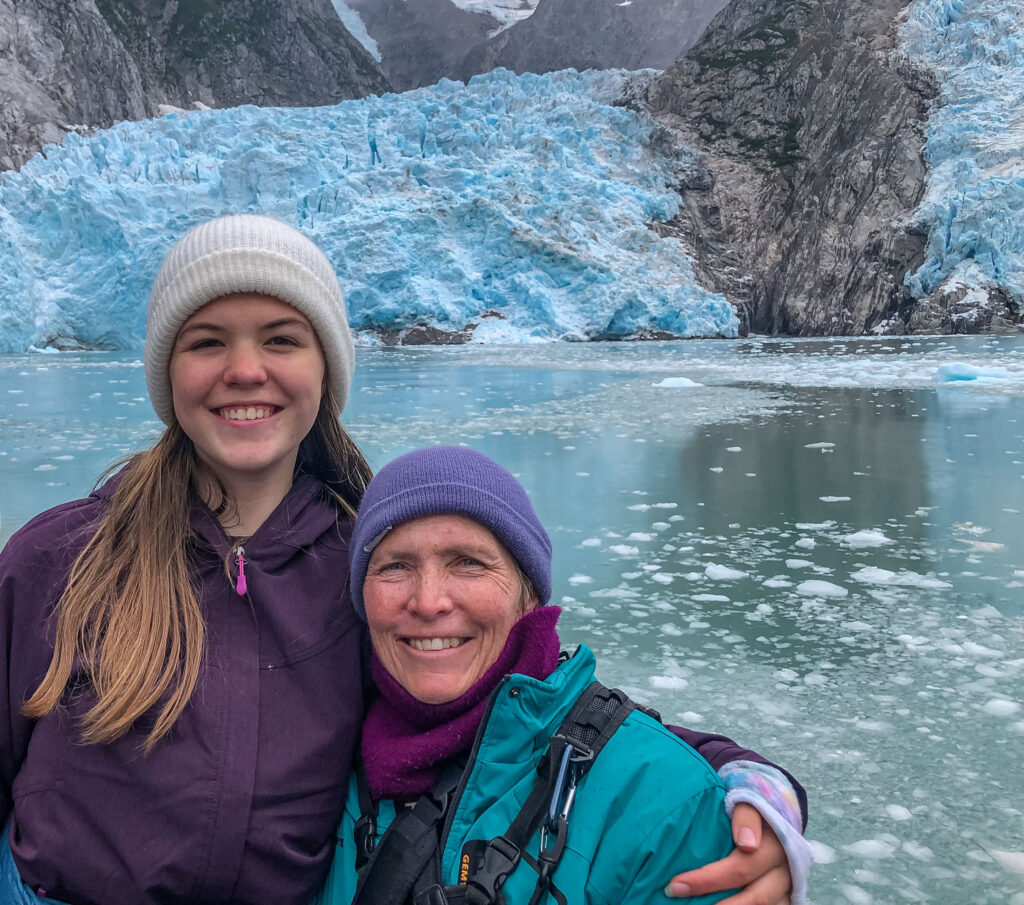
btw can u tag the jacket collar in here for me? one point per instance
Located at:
(305, 513)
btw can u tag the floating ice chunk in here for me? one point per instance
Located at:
(823, 854)
(857, 627)
(678, 382)
(640, 536)
(898, 812)
(723, 573)
(870, 537)
(815, 526)
(669, 629)
(591, 542)
(662, 578)
(45, 468)
(905, 578)
(615, 593)
(580, 579)
(857, 895)
(733, 448)
(710, 598)
(834, 499)
(917, 851)
(717, 469)
(808, 543)
(623, 550)
(957, 372)
(817, 588)
(822, 445)
(1001, 707)
(777, 583)
(670, 683)
(1011, 861)
(798, 563)
(875, 849)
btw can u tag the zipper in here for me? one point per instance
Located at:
(241, 586)
(453, 803)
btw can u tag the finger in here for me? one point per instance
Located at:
(770, 889)
(733, 871)
(747, 825)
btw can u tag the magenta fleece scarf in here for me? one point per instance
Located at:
(405, 740)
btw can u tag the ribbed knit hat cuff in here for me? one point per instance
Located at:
(529, 545)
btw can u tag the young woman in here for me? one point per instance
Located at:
(181, 685)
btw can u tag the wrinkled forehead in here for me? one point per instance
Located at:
(434, 533)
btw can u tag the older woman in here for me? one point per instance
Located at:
(527, 782)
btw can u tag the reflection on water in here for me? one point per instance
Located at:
(818, 549)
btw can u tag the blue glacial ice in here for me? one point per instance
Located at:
(974, 203)
(518, 203)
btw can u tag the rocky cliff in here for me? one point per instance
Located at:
(76, 64)
(808, 122)
(423, 41)
(596, 34)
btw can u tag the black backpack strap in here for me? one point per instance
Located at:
(586, 729)
(405, 851)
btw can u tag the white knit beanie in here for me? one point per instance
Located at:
(244, 253)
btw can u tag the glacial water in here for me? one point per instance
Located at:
(815, 546)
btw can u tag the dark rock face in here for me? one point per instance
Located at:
(91, 63)
(596, 34)
(809, 126)
(422, 41)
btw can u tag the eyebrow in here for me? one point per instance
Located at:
(272, 325)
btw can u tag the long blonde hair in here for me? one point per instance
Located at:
(130, 611)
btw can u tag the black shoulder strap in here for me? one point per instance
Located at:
(586, 729)
(406, 848)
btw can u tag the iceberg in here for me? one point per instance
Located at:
(509, 209)
(974, 145)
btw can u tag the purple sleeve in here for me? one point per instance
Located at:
(718, 750)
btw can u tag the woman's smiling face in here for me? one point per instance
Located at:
(247, 375)
(442, 594)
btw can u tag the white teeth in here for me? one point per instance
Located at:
(435, 643)
(247, 414)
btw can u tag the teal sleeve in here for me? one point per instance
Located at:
(696, 833)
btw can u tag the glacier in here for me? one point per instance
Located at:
(972, 209)
(518, 204)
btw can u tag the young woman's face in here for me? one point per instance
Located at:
(247, 374)
(441, 593)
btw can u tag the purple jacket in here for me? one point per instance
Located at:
(240, 803)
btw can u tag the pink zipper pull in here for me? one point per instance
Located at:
(241, 586)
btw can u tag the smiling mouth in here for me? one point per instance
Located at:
(247, 413)
(435, 643)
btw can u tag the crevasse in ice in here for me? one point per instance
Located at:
(975, 144)
(519, 203)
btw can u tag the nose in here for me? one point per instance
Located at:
(431, 598)
(244, 365)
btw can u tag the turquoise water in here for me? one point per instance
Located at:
(816, 547)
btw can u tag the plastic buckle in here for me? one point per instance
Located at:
(432, 895)
(500, 859)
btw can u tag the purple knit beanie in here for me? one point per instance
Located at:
(452, 480)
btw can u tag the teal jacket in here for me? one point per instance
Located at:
(649, 808)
